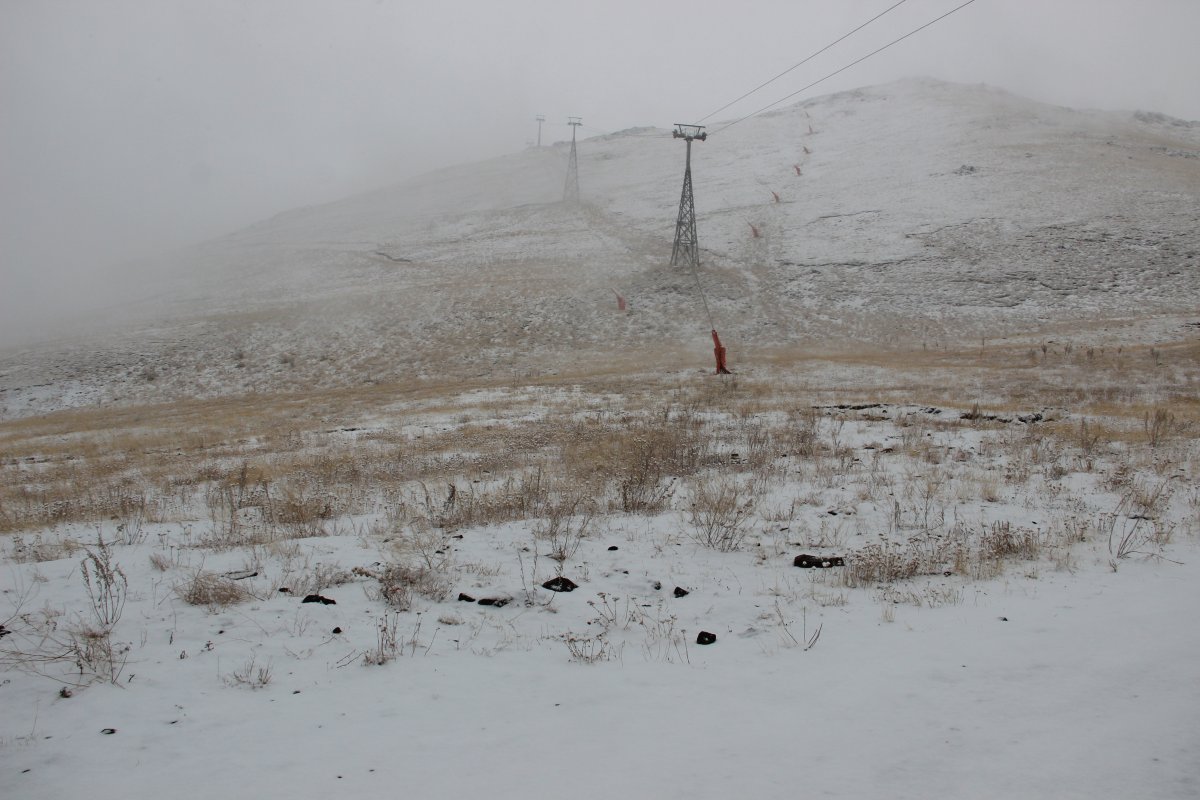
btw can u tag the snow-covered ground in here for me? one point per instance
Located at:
(1065, 671)
(966, 347)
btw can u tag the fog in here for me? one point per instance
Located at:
(128, 128)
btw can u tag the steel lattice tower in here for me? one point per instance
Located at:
(571, 191)
(686, 251)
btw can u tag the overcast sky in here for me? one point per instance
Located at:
(128, 127)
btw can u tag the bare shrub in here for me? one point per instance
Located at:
(387, 645)
(212, 591)
(93, 650)
(720, 513)
(518, 497)
(250, 675)
(41, 642)
(590, 649)
(881, 563)
(320, 578)
(1001, 542)
(301, 512)
(565, 525)
(929, 595)
(803, 432)
(232, 526)
(1159, 424)
(131, 525)
(399, 582)
(641, 459)
(38, 550)
(1133, 525)
(106, 585)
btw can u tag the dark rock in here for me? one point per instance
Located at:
(805, 561)
(316, 598)
(657, 585)
(704, 637)
(284, 590)
(498, 602)
(337, 630)
(241, 574)
(612, 547)
(681, 592)
(463, 597)
(108, 731)
(560, 584)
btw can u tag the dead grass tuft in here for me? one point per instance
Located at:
(212, 591)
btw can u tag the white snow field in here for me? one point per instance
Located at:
(967, 355)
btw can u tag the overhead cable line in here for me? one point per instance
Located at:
(802, 63)
(843, 69)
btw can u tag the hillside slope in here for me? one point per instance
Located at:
(912, 212)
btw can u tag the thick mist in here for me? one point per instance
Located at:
(130, 129)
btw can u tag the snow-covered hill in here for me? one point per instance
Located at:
(915, 211)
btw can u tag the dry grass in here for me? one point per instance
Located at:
(212, 591)
(601, 443)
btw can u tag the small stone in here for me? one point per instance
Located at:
(337, 630)
(613, 547)
(463, 597)
(657, 585)
(704, 637)
(316, 598)
(65, 692)
(681, 592)
(560, 584)
(108, 731)
(284, 590)
(498, 602)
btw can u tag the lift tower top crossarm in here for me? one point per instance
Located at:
(689, 132)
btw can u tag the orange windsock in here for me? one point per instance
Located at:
(719, 352)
